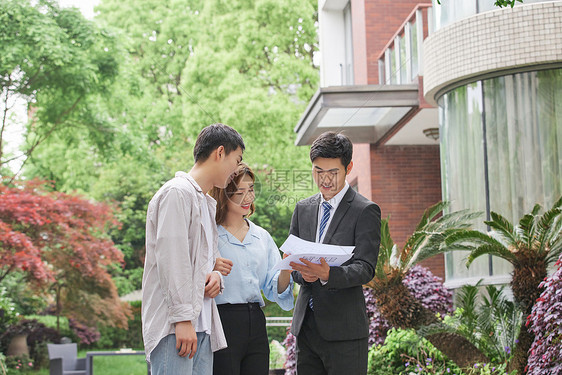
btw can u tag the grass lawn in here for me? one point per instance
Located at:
(125, 365)
(112, 365)
(120, 365)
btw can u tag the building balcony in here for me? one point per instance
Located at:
(401, 60)
(393, 112)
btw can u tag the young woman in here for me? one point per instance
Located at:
(253, 254)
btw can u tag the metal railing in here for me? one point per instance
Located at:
(278, 321)
(401, 61)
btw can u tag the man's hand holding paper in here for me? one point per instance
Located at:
(306, 257)
(312, 271)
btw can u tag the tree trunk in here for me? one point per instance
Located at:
(397, 305)
(529, 272)
(458, 349)
(527, 276)
(58, 306)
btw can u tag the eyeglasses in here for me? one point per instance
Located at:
(330, 173)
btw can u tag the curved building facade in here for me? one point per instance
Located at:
(496, 77)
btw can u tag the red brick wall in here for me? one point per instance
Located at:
(405, 180)
(359, 36)
(382, 20)
(361, 172)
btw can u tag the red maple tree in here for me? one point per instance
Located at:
(60, 241)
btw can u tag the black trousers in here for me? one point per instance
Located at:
(316, 356)
(248, 347)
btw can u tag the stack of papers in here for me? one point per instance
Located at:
(297, 248)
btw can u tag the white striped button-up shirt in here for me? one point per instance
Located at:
(177, 257)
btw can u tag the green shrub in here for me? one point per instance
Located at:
(51, 322)
(277, 355)
(27, 301)
(404, 352)
(487, 319)
(489, 369)
(8, 313)
(127, 281)
(113, 337)
(37, 337)
(273, 309)
(3, 369)
(19, 364)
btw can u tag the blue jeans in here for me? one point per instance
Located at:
(164, 359)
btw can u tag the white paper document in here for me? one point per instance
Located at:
(298, 248)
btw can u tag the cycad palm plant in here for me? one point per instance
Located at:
(394, 300)
(531, 247)
(492, 325)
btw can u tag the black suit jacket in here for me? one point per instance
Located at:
(339, 305)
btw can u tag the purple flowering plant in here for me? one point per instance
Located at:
(290, 344)
(545, 321)
(87, 335)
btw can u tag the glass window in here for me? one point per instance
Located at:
(463, 9)
(450, 11)
(414, 44)
(520, 117)
(524, 135)
(486, 5)
(403, 61)
(393, 72)
(462, 165)
(348, 39)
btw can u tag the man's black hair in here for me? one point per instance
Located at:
(332, 145)
(214, 136)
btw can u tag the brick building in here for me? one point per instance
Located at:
(460, 101)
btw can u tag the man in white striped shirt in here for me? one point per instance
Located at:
(181, 325)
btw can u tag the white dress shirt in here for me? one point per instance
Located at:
(334, 202)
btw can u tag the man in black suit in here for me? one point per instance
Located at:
(330, 319)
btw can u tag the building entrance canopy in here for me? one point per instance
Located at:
(367, 113)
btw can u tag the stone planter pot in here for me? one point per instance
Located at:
(18, 346)
(277, 371)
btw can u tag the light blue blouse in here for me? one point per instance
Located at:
(251, 271)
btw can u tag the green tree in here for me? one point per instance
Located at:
(245, 63)
(60, 64)
(531, 247)
(189, 64)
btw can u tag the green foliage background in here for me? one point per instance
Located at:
(180, 66)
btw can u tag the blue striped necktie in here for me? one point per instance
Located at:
(323, 222)
(325, 217)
